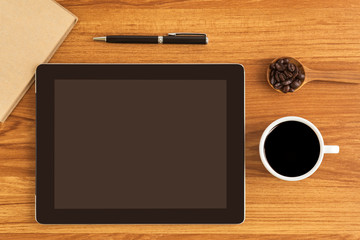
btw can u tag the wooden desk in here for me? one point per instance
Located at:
(322, 34)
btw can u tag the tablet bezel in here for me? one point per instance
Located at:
(45, 77)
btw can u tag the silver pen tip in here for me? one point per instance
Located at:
(103, 39)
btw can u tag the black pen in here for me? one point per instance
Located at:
(171, 38)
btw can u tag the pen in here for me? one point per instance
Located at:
(171, 38)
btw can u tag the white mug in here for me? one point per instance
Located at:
(323, 148)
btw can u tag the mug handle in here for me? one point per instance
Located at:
(331, 149)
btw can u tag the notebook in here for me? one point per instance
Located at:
(31, 31)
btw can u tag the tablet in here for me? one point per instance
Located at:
(139, 143)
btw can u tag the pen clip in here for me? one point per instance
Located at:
(187, 34)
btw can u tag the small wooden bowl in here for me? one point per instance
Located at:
(311, 75)
(291, 60)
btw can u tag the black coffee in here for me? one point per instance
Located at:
(292, 148)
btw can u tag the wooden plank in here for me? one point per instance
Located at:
(115, 236)
(209, 4)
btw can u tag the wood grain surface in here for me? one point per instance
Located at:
(324, 35)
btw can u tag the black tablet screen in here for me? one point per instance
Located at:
(140, 144)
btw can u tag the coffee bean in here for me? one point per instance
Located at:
(288, 74)
(301, 76)
(277, 85)
(285, 89)
(272, 66)
(286, 60)
(291, 67)
(280, 61)
(277, 77)
(282, 77)
(295, 84)
(272, 80)
(279, 67)
(291, 90)
(288, 82)
(295, 72)
(272, 73)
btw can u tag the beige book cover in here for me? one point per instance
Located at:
(30, 33)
